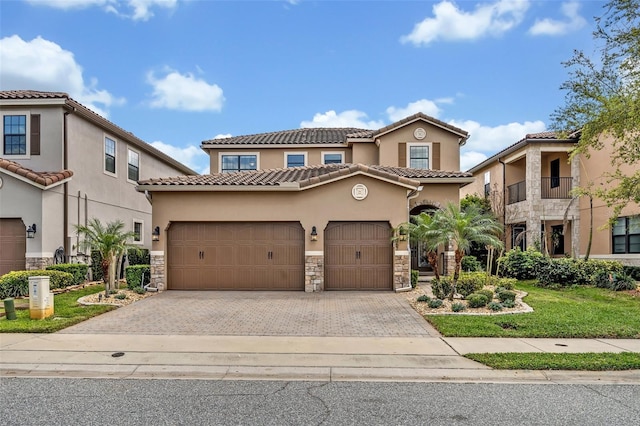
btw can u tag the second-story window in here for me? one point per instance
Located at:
(15, 134)
(626, 235)
(332, 158)
(419, 157)
(295, 160)
(109, 155)
(133, 168)
(238, 163)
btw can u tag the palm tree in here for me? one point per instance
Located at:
(462, 228)
(418, 229)
(110, 241)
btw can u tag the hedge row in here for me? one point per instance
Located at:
(78, 270)
(469, 283)
(16, 283)
(138, 276)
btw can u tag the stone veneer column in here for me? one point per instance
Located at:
(313, 271)
(401, 269)
(534, 195)
(157, 270)
(37, 263)
(450, 262)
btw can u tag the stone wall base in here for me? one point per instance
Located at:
(157, 272)
(313, 273)
(401, 271)
(36, 263)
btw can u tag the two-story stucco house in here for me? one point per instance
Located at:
(62, 164)
(305, 209)
(529, 185)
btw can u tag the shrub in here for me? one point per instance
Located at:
(613, 281)
(471, 264)
(78, 270)
(506, 283)
(568, 272)
(477, 300)
(423, 298)
(633, 272)
(139, 290)
(414, 278)
(435, 303)
(458, 307)
(487, 293)
(16, 283)
(442, 287)
(507, 295)
(96, 266)
(134, 275)
(494, 306)
(138, 257)
(121, 296)
(470, 282)
(509, 303)
(522, 265)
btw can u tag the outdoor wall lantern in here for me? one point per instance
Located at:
(314, 234)
(402, 234)
(155, 235)
(31, 231)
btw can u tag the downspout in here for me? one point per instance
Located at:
(65, 166)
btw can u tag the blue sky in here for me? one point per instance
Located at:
(177, 72)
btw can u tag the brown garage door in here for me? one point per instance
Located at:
(358, 256)
(13, 245)
(235, 256)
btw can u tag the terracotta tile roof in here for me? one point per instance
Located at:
(41, 178)
(32, 94)
(303, 176)
(423, 116)
(289, 137)
(421, 173)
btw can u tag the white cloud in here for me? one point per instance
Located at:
(425, 106)
(191, 155)
(493, 139)
(351, 118)
(554, 27)
(138, 10)
(223, 136)
(469, 159)
(451, 23)
(41, 64)
(185, 92)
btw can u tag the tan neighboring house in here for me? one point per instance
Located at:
(304, 209)
(529, 185)
(62, 164)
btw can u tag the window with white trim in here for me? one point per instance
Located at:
(133, 166)
(295, 159)
(419, 156)
(238, 162)
(138, 231)
(14, 132)
(109, 155)
(332, 157)
(487, 184)
(626, 235)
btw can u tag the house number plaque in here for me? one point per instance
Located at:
(359, 192)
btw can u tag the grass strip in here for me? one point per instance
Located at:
(67, 312)
(580, 312)
(605, 361)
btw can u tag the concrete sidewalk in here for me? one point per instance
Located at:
(430, 359)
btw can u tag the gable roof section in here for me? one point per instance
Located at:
(42, 180)
(305, 136)
(78, 108)
(422, 117)
(541, 137)
(293, 178)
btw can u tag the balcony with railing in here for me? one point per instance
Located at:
(556, 187)
(517, 192)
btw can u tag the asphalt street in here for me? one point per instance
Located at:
(28, 401)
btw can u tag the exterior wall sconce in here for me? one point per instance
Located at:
(314, 234)
(155, 235)
(402, 234)
(31, 231)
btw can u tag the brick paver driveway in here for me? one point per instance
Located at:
(264, 314)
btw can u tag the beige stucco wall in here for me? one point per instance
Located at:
(313, 207)
(19, 199)
(449, 144)
(548, 157)
(436, 195)
(495, 170)
(365, 153)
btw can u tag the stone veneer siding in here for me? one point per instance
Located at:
(313, 273)
(36, 263)
(401, 271)
(157, 271)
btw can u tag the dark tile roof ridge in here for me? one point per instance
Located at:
(41, 178)
(232, 140)
(423, 116)
(408, 172)
(32, 94)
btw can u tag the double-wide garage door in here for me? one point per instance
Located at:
(13, 245)
(358, 256)
(235, 256)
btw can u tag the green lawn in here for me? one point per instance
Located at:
(560, 361)
(67, 312)
(581, 312)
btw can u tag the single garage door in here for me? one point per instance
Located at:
(13, 245)
(235, 256)
(358, 256)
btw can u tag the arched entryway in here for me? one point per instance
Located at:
(419, 260)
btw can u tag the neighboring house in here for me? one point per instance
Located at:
(60, 165)
(529, 185)
(305, 209)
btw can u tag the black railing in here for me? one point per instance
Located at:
(517, 192)
(556, 187)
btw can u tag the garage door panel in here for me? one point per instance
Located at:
(237, 256)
